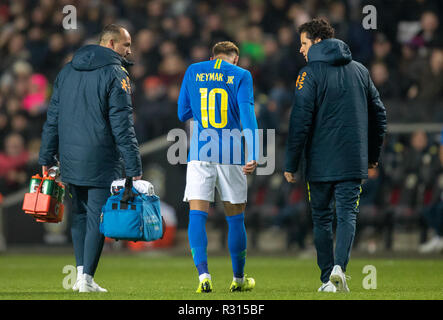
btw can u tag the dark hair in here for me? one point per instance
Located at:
(317, 28)
(225, 47)
(111, 30)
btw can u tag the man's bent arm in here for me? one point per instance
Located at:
(122, 125)
(301, 118)
(49, 143)
(184, 111)
(245, 99)
(376, 123)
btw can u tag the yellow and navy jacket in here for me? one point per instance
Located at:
(337, 121)
(89, 123)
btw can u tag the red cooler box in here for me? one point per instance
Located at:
(44, 201)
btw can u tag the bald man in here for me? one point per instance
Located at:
(90, 129)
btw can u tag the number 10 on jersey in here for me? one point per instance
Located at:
(204, 107)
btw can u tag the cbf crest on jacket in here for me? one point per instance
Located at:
(337, 120)
(89, 120)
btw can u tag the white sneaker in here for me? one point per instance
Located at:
(87, 284)
(97, 287)
(76, 285)
(433, 245)
(338, 279)
(327, 287)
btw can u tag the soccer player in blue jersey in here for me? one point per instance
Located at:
(218, 95)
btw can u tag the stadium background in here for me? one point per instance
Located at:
(404, 55)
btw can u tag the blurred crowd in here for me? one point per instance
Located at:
(404, 55)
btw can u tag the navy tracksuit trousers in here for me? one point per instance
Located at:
(324, 197)
(88, 242)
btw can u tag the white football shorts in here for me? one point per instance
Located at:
(203, 177)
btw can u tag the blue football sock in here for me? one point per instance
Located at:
(198, 240)
(237, 243)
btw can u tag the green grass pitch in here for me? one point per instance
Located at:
(161, 277)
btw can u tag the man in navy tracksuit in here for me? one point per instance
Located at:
(90, 127)
(338, 123)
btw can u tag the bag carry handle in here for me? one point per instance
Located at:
(128, 195)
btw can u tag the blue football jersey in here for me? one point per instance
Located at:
(219, 96)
